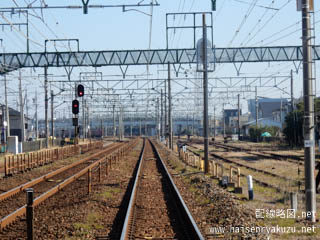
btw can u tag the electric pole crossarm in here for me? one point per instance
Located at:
(13, 61)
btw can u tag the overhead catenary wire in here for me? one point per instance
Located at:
(242, 23)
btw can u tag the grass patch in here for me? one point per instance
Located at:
(109, 192)
(90, 224)
(192, 189)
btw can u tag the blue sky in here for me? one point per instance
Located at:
(236, 23)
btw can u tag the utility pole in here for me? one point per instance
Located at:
(145, 120)
(7, 107)
(4, 126)
(257, 113)
(83, 120)
(291, 76)
(114, 121)
(37, 126)
(101, 127)
(224, 122)
(161, 116)
(158, 119)
(21, 108)
(140, 133)
(309, 140)
(88, 121)
(122, 126)
(170, 110)
(119, 124)
(205, 96)
(214, 122)
(130, 125)
(292, 108)
(238, 117)
(52, 129)
(166, 127)
(193, 124)
(46, 105)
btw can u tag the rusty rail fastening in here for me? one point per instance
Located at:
(26, 161)
(112, 157)
(194, 230)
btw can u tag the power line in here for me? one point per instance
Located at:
(245, 18)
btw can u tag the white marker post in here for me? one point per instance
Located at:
(250, 187)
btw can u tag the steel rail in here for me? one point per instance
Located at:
(196, 234)
(126, 225)
(195, 229)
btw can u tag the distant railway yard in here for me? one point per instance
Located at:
(140, 189)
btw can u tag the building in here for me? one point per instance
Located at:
(267, 107)
(229, 113)
(15, 123)
(234, 122)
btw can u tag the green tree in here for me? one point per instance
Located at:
(254, 132)
(294, 128)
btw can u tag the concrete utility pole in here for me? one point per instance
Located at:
(7, 107)
(165, 113)
(161, 116)
(214, 122)
(22, 127)
(130, 125)
(309, 140)
(46, 105)
(83, 120)
(224, 122)
(257, 113)
(192, 123)
(3, 109)
(238, 116)
(52, 128)
(170, 110)
(158, 119)
(292, 109)
(145, 120)
(114, 121)
(140, 128)
(291, 75)
(88, 122)
(37, 126)
(101, 127)
(205, 96)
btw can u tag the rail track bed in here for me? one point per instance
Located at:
(270, 175)
(210, 205)
(15, 198)
(156, 209)
(12, 206)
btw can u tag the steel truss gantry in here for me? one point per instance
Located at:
(13, 61)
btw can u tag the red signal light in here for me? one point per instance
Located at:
(80, 90)
(75, 106)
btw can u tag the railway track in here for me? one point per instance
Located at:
(257, 179)
(156, 209)
(257, 152)
(262, 153)
(13, 201)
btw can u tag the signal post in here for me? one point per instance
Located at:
(75, 111)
